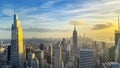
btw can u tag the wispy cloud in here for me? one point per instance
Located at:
(94, 10)
(77, 22)
(8, 11)
(5, 29)
(43, 30)
(94, 6)
(37, 30)
(51, 14)
(49, 3)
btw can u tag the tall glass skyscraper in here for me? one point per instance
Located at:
(17, 48)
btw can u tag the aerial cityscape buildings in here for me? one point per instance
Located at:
(53, 53)
(40, 38)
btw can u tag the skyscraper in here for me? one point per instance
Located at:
(117, 37)
(117, 32)
(57, 55)
(17, 48)
(35, 61)
(75, 37)
(86, 58)
(8, 53)
(51, 54)
(117, 52)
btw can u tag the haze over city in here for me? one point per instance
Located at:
(55, 18)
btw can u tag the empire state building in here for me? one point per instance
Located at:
(17, 48)
(75, 37)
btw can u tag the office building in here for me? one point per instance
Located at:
(74, 37)
(117, 32)
(86, 59)
(17, 48)
(34, 62)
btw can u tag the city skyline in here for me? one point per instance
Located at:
(56, 19)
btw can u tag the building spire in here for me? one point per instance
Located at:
(15, 16)
(118, 23)
(84, 35)
(74, 27)
(14, 11)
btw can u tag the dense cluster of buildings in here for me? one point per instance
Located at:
(58, 54)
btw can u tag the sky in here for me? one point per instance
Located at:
(56, 18)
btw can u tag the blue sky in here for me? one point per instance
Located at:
(55, 18)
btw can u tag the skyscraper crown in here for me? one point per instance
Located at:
(16, 20)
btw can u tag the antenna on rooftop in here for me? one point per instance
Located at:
(118, 23)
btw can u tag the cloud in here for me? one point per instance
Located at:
(36, 30)
(43, 30)
(5, 29)
(94, 6)
(50, 3)
(102, 26)
(52, 14)
(96, 9)
(76, 22)
(8, 11)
